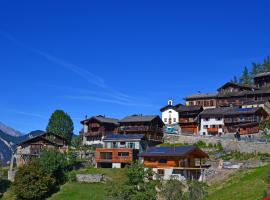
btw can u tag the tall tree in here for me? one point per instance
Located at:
(266, 64)
(245, 78)
(61, 124)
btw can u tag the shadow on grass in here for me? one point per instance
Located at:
(4, 186)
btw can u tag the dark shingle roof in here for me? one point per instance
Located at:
(188, 108)
(171, 151)
(223, 111)
(245, 87)
(123, 137)
(262, 74)
(201, 96)
(102, 119)
(139, 118)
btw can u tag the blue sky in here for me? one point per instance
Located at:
(120, 57)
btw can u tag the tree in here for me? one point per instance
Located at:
(61, 124)
(54, 164)
(266, 64)
(173, 190)
(245, 78)
(32, 183)
(196, 190)
(138, 186)
(76, 141)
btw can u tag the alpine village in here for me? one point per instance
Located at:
(211, 146)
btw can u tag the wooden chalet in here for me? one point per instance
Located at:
(188, 118)
(149, 125)
(95, 128)
(120, 150)
(32, 147)
(223, 120)
(230, 94)
(184, 162)
(262, 80)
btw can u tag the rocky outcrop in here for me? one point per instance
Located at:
(89, 178)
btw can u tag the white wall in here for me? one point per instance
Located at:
(116, 165)
(170, 113)
(209, 123)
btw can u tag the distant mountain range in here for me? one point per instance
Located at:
(9, 138)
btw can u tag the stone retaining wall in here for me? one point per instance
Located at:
(227, 144)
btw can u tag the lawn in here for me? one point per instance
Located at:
(245, 185)
(94, 191)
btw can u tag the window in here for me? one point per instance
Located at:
(122, 143)
(160, 172)
(205, 126)
(123, 154)
(174, 119)
(219, 126)
(206, 119)
(106, 155)
(218, 119)
(165, 119)
(131, 145)
(170, 111)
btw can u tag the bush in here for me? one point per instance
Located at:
(72, 176)
(201, 144)
(54, 164)
(32, 183)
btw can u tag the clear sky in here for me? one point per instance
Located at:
(120, 57)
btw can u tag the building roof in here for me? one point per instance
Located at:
(189, 108)
(255, 102)
(40, 135)
(173, 151)
(139, 118)
(201, 96)
(223, 111)
(102, 119)
(262, 74)
(123, 137)
(168, 107)
(231, 84)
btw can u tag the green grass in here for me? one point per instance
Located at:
(245, 185)
(93, 191)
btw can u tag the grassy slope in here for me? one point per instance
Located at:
(94, 191)
(245, 185)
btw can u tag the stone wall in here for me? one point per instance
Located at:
(227, 144)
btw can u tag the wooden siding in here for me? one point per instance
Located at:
(115, 158)
(170, 162)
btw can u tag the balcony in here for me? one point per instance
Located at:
(212, 130)
(140, 129)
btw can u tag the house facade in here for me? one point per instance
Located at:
(230, 94)
(149, 125)
(120, 150)
(262, 80)
(32, 147)
(180, 118)
(183, 163)
(96, 128)
(218, 121)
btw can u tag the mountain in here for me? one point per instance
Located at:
(9, 138)
(10, 131)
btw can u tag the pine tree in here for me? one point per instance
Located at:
(245, 78)
(266, 64)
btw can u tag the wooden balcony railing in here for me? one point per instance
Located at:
(212, 130)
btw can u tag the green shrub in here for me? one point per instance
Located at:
(32, 183)
(54, 164)
(201, 144)
(72, 176)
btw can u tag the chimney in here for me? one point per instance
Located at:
(170, 102)
(85, 116)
